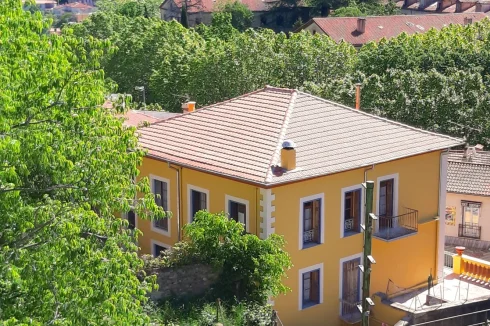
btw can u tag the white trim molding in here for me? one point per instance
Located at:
(153, 227)
(442, 211)
(300, 283)
(303, 200)
(189, 200)
(266, 211)
(342, 206)
(158, 243)
(341, 276)
(245, 202)
(395, 177)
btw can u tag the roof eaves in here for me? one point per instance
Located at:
(308, 23)
(279, 183)
(282, 134)
(458, 141)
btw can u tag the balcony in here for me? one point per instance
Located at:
(390, 228)
(472, 231)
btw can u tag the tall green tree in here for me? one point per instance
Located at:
(67, 166)
(241, 15)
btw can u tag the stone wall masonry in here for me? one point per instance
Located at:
(183, 281)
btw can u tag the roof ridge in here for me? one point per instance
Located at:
(406, 16)
(282, 133)
(384, 119)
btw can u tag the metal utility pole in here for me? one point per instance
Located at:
(366, 303)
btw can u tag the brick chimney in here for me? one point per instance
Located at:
(288, 155)
(361, 25)
(467, 21)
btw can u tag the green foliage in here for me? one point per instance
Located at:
(66, 165)
(241, 15)
(210, 64)
(358, 9)
(65, 18)
(131, 8)
(201, 313)
(251, 269)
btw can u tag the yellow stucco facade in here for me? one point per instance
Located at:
(402, 262)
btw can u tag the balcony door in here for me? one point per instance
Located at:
(350, 287)
(386, 203)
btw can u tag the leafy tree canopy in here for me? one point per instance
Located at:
(67, 165)
(358, 9)
(241, 15)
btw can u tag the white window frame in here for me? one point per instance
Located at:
(189, 200)
(158, 243)
(342, 206)
(153, 227)
(302, 201)
(245, 202)
(341, 276)
(395, 190)
(300, 283)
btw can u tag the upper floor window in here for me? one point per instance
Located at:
(471, 212)
(351, 210)
(159, 187)
(237, 210)
(386, 190)
(198, 200)
(131, 217)
(311, 221)
(310, 284)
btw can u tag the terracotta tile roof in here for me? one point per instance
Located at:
(241, 138)
(378, 27)
(77, 5)
(469, 175)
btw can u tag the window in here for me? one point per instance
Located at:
(311, 288)
(310, 284)
(387, 202)
(470, 227)
(237, 209)
(131, 216)
(386, 198)
(158, 250)
(471, 212)
(158, 247)
(198, 200)
(160, 190)
(311, 221)
(351, 210)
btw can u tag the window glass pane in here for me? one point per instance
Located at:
(131, 219)
(158, 249)
(237, 211)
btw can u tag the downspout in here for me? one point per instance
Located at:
(440, 233)
(179, 182)
(257, 212)
(365, 172)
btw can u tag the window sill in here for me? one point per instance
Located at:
(309, 305)
(160, 231)
(310, 245)
(350, 233)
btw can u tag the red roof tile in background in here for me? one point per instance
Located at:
(378, 27)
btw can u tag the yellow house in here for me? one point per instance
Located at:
(286, 162)
(468, 197)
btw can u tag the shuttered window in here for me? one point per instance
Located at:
(352, 212)
(311, 288)
(237, 211)
(311, 221)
